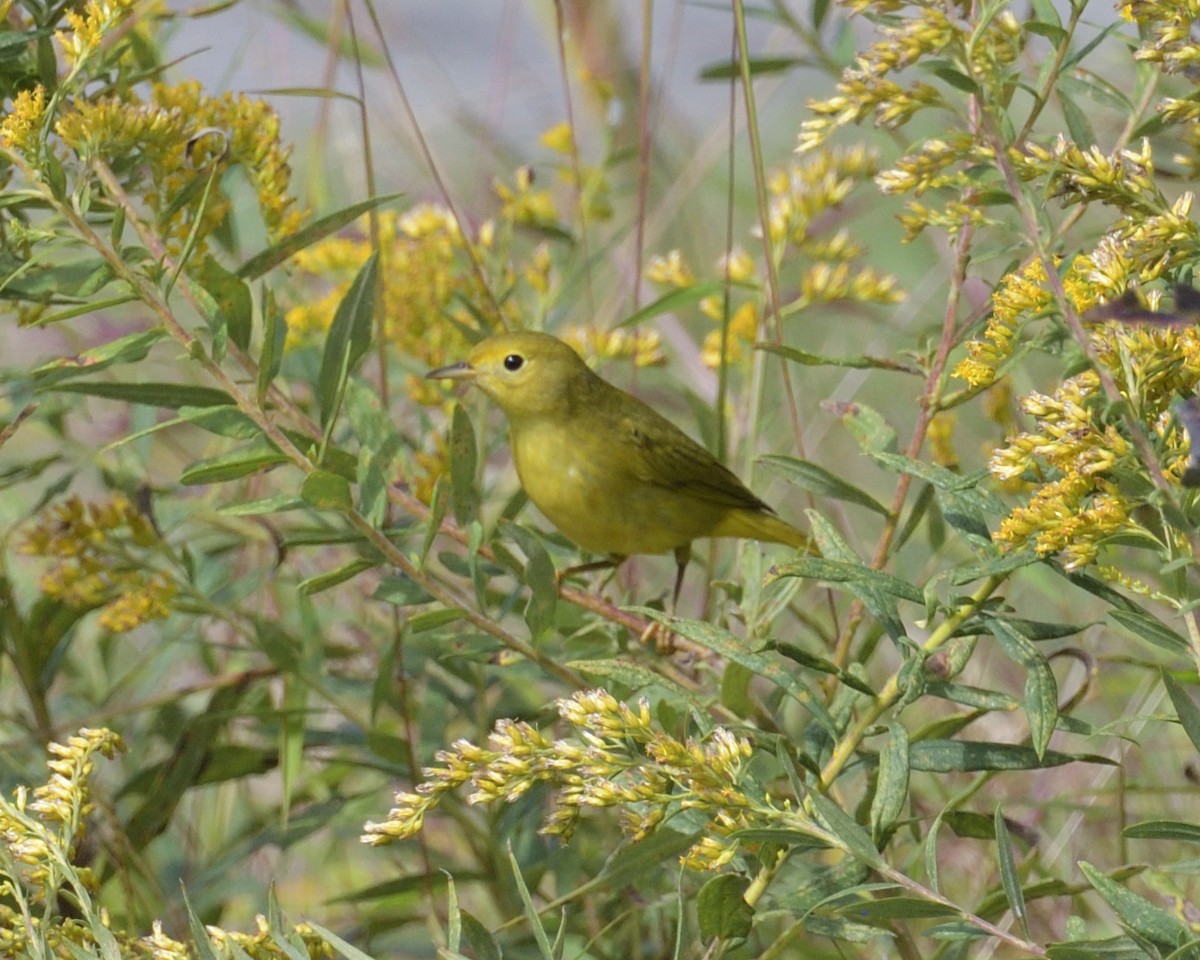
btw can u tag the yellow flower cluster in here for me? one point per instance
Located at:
(1123, 179)
(1167, 30)
(21, 127)
(801, 192)
(1079, 506)
(642, 346)
(798, 195)
(88, 23)
(178, 136)
(523, 203)
(935, 163)
(92, 564)
(865, 87)
(426, 277)
(41, 834)
(1020, 296)
(670, 270)
(614, 758)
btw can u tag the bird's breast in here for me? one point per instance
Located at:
(585, 485)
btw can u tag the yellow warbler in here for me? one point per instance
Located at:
(612, 474)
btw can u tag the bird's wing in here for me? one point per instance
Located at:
(665, 456)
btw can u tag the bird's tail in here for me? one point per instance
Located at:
(760, 525)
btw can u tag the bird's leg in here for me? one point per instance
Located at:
(660, 633)
(682, 556)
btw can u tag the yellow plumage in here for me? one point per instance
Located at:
(613, 475)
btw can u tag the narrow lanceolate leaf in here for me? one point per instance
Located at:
(1164, 830)
(855, 840)
(1185, 708)
(1041, 689)
(170, 396)
(677, 300)
(245, 460)
(1008, 873)
(809, 476)
(230, 306)
(331, 578)
(855, 363)
(948, 756)
(891, 788)
(1165, 930)
(348, 339)
(463, 457)
(127, 349)
(327, 491)
(261, 263)
(274, 337)
(722, 910)
(1149, 628)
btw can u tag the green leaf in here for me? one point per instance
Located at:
(401, 591)
(891, 787)
(1114, 948)
(951, 75)
(816, 479)
(530, 911)
(1185, 708)
(463, 460)
(327, 491)
(280, 503)
(950, 756)
(539, 577)
(993, 566)
(252, 458)
(171, 396)
(1078, 124)
(971, 825)
(324, 581)
(676, 300)
(855, 840)
(813, 662)
(874, 588)
(1041, 689)
(1174, 830)
(274, 255)
(231, 306)
(347, 950)
(128, 349)
(838, 928)
(1149, 628)
(348, 339)
(1008, 873)
(1163, 929)
(868, 427)
(757, 66)
(200, 941)
(818, 360)
(274, 338)
(837, 571)
(722, 910)
(483, 945)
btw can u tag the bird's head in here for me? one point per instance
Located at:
(527, 374)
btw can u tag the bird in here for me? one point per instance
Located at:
(616, 477)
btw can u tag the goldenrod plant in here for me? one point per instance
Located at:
(926, 288)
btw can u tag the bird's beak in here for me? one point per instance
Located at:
(456, 371)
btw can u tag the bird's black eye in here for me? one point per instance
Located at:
(514, 362)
